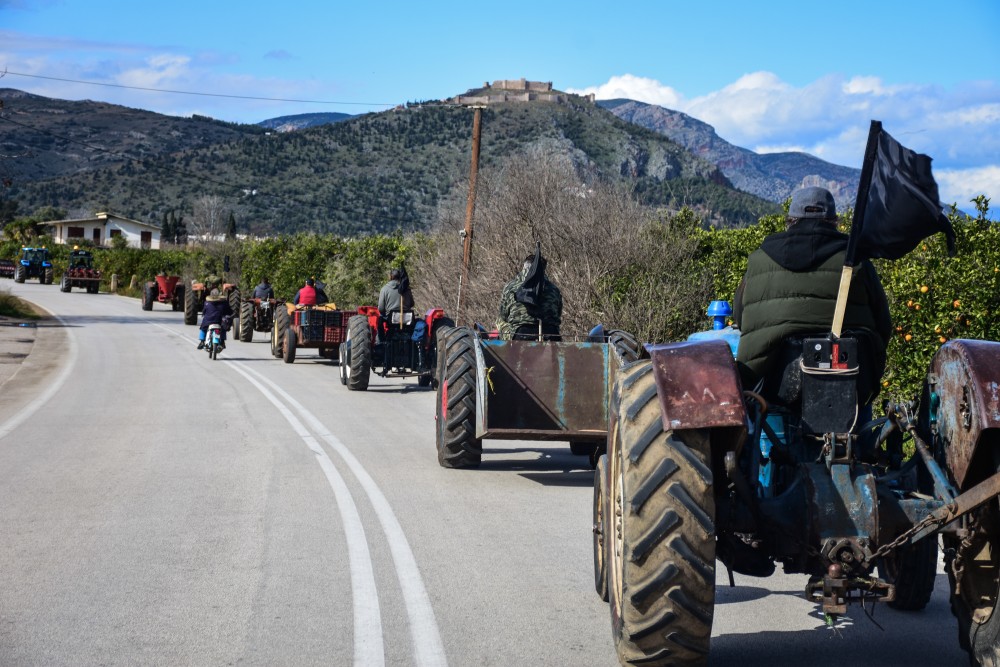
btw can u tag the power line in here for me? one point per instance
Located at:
(188, 92)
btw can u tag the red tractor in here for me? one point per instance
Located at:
(401, 343)
(164, 290)
(195, 295)
(81, 273)
(256, 314)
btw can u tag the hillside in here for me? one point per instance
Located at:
(373, 172)
(771, 176)
(301, 121)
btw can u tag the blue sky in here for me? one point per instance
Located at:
(778, 75)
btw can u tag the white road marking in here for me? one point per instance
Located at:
(427, 647)
(368, 641)
(50, 391)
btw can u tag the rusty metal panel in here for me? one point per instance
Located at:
(541, 391)
(697, 384)
(968, 382)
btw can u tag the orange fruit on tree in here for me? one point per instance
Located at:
(908, 337)
(957, 303)
(923, 289)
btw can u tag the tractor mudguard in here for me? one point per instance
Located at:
(965, 377)
(698, 385)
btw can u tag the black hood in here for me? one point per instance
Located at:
(805, 245)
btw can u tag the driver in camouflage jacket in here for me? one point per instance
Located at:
(516, 323)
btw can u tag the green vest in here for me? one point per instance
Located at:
(778, 303)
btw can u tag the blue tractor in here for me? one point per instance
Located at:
(34, 263)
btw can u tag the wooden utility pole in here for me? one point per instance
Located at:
(470, 206)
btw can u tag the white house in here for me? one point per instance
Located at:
(105, 226)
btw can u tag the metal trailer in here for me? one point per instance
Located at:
(322, 327)
(525, 390)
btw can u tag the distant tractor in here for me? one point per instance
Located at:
(321, 327)
(198, 291)
(6, 268)
(399, 344)
(81, 273)
(256, 315)
(34, 263)
(163, 290)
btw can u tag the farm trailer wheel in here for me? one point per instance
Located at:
(660, 551)
(359, 353)
(147, 296)
(190, 307)
(19, 273)
(457, 445)
(246, 322)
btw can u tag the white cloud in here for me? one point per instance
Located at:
(961, 185)
(829, 118)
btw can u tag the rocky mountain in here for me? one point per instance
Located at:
(771, 176)
(374, 172)
(302, 121)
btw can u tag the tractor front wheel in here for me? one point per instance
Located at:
(64, 284)
(278, 332)
(660, 546)
(359, 343)
(342, 354)
(911, 569)
(457, 445)
(246, 322)
(600, 512)
(190, 307)
(289, 345)
(177, 303)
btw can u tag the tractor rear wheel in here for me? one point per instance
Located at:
(246, 322)
(911, 569)
(457, 445)
(47, 276)
(600, 512)
(660, 555)
(626, 347)
(288, 345)
(64, 284)
(977, 605)
(19, 273)
(234, 299)
(359, 354)
(147, 296)
(278, 332)
(190, 307)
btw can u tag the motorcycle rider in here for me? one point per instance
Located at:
(216, 308)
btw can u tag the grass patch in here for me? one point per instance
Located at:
(11, 306)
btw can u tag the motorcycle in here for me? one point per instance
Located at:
(213, 340)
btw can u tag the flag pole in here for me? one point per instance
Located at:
(867, 167)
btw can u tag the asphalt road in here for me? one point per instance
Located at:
(158, 507)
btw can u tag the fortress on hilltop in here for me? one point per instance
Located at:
(516, 90)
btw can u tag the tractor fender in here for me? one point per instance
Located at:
(965, 375)
(698, 385)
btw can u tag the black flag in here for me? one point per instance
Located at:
(404, 280)
(530, 292)
(898, 203)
